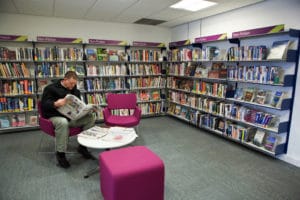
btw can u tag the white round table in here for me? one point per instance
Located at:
(115, 138)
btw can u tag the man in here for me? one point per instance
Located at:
(53, 98)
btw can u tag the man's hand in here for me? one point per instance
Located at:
(60, 102)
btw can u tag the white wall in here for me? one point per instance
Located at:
(60, 27)
(267, 13)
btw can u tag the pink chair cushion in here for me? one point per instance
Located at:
(47, 126)
(131, 173)
(121, 101)
(124, 121)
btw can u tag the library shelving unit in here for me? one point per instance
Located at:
(241, 88)
(17, 84)
(147, 75)
(106, 70)
(54, 56)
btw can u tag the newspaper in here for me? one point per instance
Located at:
(120, 134)
(75, 108)
(95, 132)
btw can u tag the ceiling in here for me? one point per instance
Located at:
(119, 11)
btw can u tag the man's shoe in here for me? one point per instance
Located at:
(62, 161)
(85, 153)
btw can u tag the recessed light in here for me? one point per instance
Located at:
(193, 5)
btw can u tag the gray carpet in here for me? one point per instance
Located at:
(199, 165)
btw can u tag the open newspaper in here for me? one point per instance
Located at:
(75, 108)
(112, 134)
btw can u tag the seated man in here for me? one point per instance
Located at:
(54, 97)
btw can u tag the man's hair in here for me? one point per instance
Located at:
(71, 74)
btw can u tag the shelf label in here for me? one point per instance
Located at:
(148, 44)
(19, 38)
(58, 39)
(179, 43)
(222, 36)
(107, 42)
(259, 31)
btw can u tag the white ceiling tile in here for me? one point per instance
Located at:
(7, 6)
(35, 7)
(72, 9)
(124, 11)
(108, 9)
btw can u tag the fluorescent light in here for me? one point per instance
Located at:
(193, 5)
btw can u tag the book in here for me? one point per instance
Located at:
(259, 138)
(75, 108)
(248, 95)
(270, 142)
(4, 122)
(18, 120)
(277, 99)
(279, 50)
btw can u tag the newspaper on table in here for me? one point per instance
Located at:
(75, 108)
(120, 134)
(94, 132)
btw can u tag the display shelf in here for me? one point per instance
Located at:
(257, 41)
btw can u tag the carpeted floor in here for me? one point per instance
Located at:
(198, 164)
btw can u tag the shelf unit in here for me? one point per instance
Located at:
(17, 85)
(194, 86)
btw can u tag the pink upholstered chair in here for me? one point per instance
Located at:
(122, 101)
(47, 126)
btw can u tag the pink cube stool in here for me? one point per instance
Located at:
(131, 173)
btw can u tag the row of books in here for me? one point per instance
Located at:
(18, 120)
(145, 55)
(244, 134)
(250, 115)
(260, 96)
(144, 69)
(144, 82)
(16, 104)
(105, 84)
(15, 54)
(103, 54)
(151, 108)
(106, 70)
(247, 53)
(15, 70)
(46, 69)
(256, 74)
(58, 54)
(17, 87)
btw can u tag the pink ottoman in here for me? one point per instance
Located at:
(131, 173)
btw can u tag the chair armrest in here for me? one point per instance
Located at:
(106, 113)
(46, 126)
(137, 112)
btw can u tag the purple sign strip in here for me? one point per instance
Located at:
(222, 36)
(107, 42)
(148, 44)
(258, 31)
(179, 43)
(58, 39)
(14, 38)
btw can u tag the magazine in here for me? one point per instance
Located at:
(75, 108)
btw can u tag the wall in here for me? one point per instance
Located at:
(61, 27)
(267, 13)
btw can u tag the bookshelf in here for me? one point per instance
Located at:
(17, 84)
(147, 75)
(240, 94)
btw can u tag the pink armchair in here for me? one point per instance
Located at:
(47, 126)
(122, 101)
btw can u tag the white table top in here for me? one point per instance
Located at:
(115, 137)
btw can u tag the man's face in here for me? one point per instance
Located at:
(70, 83)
